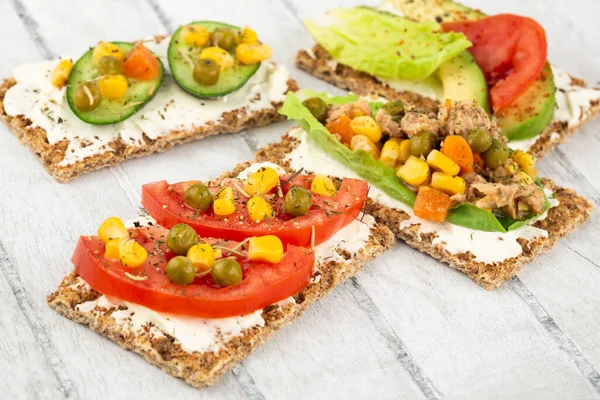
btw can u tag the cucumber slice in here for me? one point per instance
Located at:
(230, 79)
(111, 111)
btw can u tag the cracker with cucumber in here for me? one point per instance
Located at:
(125, 100)
(438, 50)
(446, 182)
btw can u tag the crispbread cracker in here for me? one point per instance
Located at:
(572, 211)
(51, 155)
(362, 84)
(203, 369)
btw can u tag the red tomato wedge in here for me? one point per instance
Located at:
(164, 202)
(263, 284)
(141, 64)
(511, 51)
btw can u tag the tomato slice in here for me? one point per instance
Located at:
(164, 202)
(263, 284)
(141, 64)
(511, 51)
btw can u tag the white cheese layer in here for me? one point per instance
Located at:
(571, 101)
(210, 334)
(171, 108)
(487, 247)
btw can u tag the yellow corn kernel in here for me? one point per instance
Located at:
(361, 142)
(524, 178)
(131, 253)
(357, 111)
(113, 87)
(218, 253)
(323, 185)
(447, 183)
(405, 150)
(265, 248)
(526, 161)
(441, 162)
(202, 256)
(112, 228)
(107, 49)
(193, 35)
(218, 55)
(522, 206)
(262, 181)
(365, 125)
(252, 53)
(225, 193)
(60, 75)
(259, 209)
(247, 35)
(390, 153)
(224, 207)
(414, 171)
(511, 166)
(112, 249)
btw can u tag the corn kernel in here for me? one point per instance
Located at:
(107, 49)
(361, 142)
(365, 125)
(132, 254)
(112, 249)
(259, 209)
(323, 185)
(60, 75)
(224, 207)
(247, 35)
(522, 206)
(202, 256)
(414, 171)
(390, 153)
(218, 55)
(218, 253)
(405, 150)
(112, 228)
(113, 87)
(441, 162)
(523, 178)
(252, 53)
(526, 161)
(193, 35)
(447, 183)
(511, 166)
(265, 248)
(225, 193)
(262, 181)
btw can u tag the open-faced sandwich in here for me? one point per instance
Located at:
(220, 267)
(426, 51)
(446, 182)
(123, 100)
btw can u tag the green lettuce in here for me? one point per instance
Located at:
(380, 175)
(385, 45)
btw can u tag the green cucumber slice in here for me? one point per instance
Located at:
(111, 111)
(230, 79)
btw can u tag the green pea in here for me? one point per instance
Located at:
(479, 140)
(87, 97)
(395, 109)
(207, 72)
(180, 238)
(223, 38)
(317, 107)
(421, 144)
(227, 272)
(298, 201)
(110, 65)
(496, 155)
(198, 197)
(181, 270)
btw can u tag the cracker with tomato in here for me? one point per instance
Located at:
(194, 303)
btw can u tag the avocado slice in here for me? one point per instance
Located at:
(463, 80)
(529, 114)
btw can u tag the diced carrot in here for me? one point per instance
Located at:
(141, 64)
(432, 204)
(341, 127)
(478, 163)
(457, 149)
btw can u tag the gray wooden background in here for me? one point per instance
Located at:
(406, 327)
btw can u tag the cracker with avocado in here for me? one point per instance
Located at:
(572, 211)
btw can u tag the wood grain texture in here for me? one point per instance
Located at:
(406, 327)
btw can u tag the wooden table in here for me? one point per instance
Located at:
(405, 327)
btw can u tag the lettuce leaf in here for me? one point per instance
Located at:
(380, 175)
(385, 45)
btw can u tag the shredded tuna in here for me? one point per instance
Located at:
(361, 107)
(389, 125)
(507, 196)
(417, 121)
